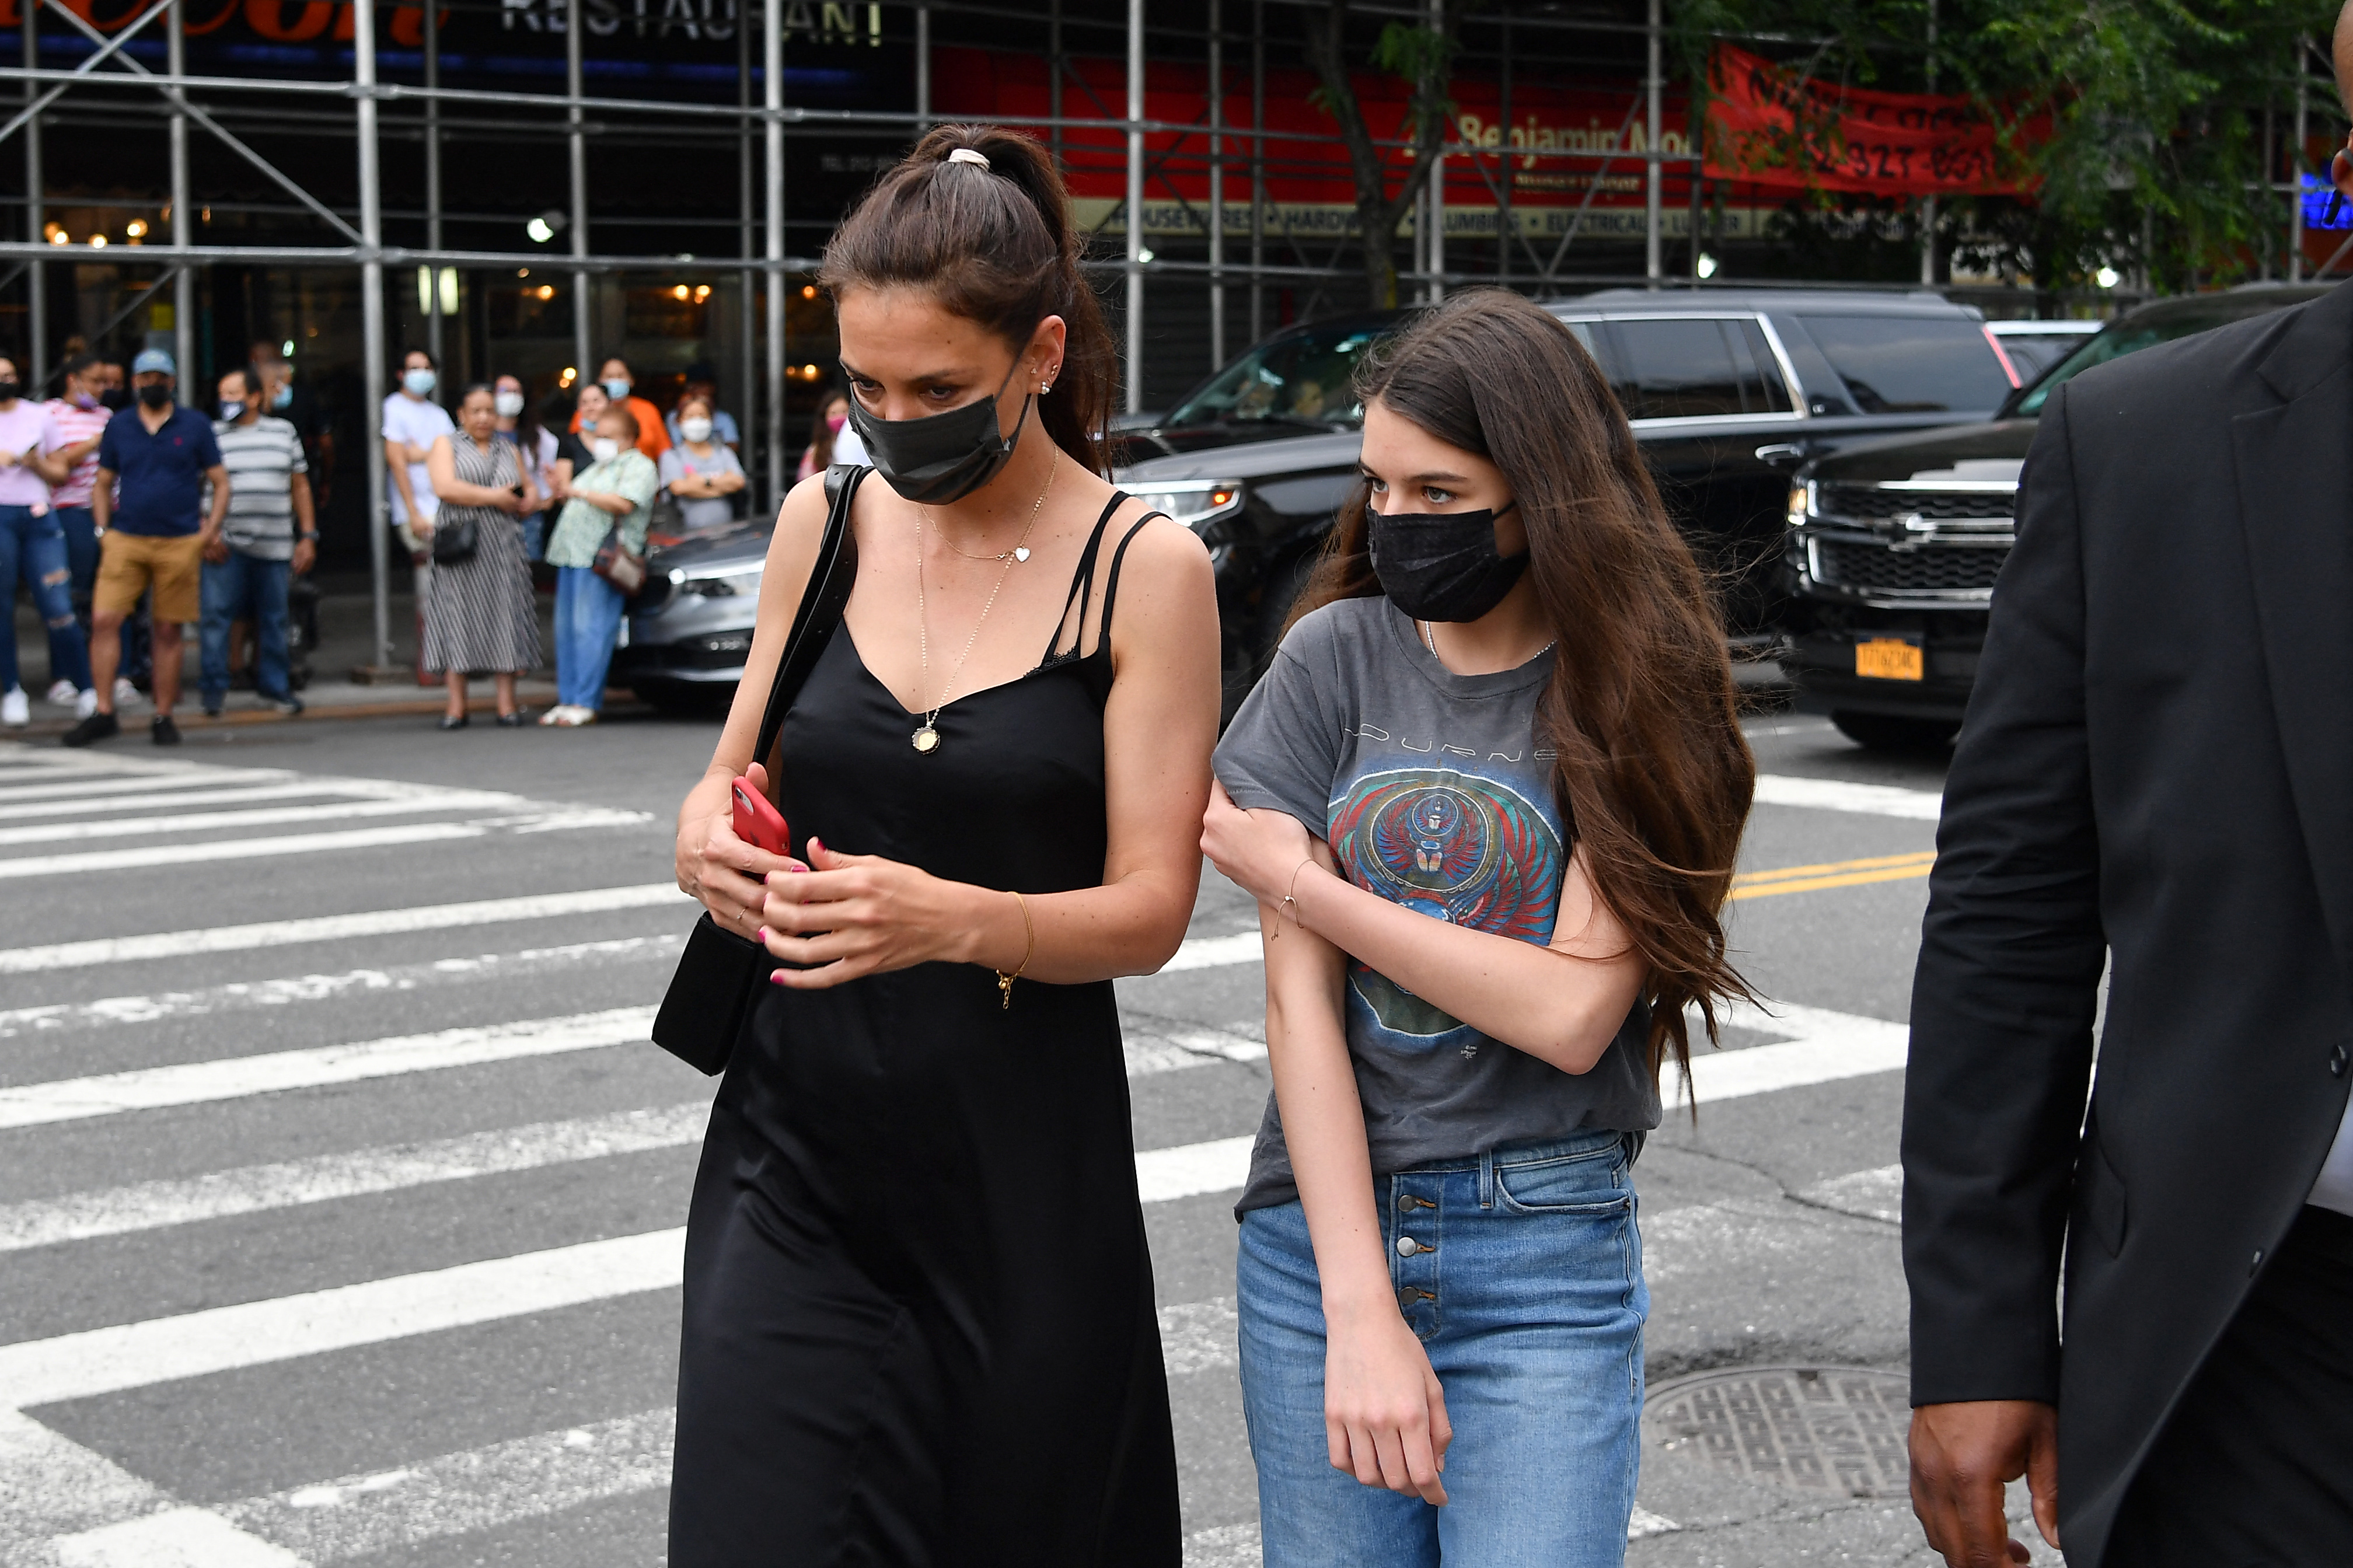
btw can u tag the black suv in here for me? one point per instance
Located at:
(1893, 545)
(1728, 391)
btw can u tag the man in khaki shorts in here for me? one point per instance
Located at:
(151, 537)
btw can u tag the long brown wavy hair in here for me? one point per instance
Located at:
(995, 246)
(1653, 777)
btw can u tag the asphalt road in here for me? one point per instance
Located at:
(339, 1185)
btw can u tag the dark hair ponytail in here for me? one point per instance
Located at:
(1654, 775)
(995, 246)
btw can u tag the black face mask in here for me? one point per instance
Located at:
(155, 395)
(940, 457)
(1442, 566)
(113, 399)
(11, 390)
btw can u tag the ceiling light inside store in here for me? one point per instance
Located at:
(287, 348)
(98, 242)
(808, 290)
(701, 292)
(134, 229)
(681, 292)
(2107, 276)
(547, 226)
(523, 271)
(1144, 256)
(546, 290)
(571, 373)
(58, 236)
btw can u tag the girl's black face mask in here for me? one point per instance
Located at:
(940, 457)
(1442, 566)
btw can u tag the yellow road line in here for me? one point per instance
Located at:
(1834, 873)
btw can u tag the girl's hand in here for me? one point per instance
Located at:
(723, 871)
(1257, 851)
(855, 915)
(1383, 1413)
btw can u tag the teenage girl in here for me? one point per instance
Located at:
(1488, 798)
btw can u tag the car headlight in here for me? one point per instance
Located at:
(718, 582)
(1801, 503)
(1198, 504)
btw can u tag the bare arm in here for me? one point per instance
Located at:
(217, 477)
(441, 467)
(396, 458)
(605, 501)
(101, 499)
(306, 524)
(870, 915)
(1561, 1004)
(1384, 1411)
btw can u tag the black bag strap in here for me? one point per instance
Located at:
(822, 602)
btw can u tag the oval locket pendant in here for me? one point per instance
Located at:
(927, 741)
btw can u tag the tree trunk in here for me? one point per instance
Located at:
(1378, 213)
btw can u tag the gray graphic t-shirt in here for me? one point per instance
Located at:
(1432, 792)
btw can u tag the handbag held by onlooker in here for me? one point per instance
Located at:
(455, 541)
(720, 975)
(617, 564)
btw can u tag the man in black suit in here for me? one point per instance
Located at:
(2156, 776)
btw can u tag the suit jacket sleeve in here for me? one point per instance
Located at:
(2010, 955)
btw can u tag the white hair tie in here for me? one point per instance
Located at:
(967, 155)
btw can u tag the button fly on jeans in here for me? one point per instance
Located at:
(1407, 1246)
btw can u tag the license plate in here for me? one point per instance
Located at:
(1889, 659)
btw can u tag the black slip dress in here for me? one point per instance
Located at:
(918, 1323)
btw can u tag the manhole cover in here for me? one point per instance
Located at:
(1828, 1429)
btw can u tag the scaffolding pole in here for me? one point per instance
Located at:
(2295, 167)
(37, 278)
(1135, 372)
(184, 285)
(432, 275)
(1654, 194)
(1258, 169)
(1928, 203)
(372, 350)
(748, 429)
(1216, 189)
(923, 70)
(578, 148)
(1433, 249)
(772, 60)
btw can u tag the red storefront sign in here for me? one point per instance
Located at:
(1771, 126)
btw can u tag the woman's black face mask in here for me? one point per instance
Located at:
(940, 457)
(1442, 566)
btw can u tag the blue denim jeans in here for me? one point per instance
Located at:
(587, 618)
(1526, 1291)
(254, 588)
(33, 551)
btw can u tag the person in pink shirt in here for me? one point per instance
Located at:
(80, 418)
(33, 547)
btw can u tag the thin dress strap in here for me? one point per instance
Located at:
(1083, 582)
(1111, 581)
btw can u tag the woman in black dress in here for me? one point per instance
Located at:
(919, 1322)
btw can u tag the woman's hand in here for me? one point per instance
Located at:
(1383, 1413)
(855, 915)
(723, 871)
(1258, 850)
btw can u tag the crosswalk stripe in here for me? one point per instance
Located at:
(1838, 794)
(79, 789)
(1190, 1169)
(1214, 952)
(261, 816)
(297, 789)
(250, 1189)
(281, 933)
(234, 1077)
(256, 1334)
(241, 996)
(51, 1486)
(176, 1538)
(151, 856)
(1828, 1046)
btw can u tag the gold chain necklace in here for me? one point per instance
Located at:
(926, 739)
(1020, 551)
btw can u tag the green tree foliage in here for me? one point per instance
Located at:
(2154, 157)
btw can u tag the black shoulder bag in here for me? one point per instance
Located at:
(720, 975)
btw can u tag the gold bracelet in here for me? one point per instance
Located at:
(1004, 981)
(1291, 898)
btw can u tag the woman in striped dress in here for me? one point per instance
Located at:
(479, 615)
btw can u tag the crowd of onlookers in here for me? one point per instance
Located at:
(124, 531)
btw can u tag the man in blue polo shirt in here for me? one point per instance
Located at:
(152, 536)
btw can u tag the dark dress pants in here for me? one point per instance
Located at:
(2255, 1467)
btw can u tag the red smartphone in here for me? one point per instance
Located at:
(758, 822)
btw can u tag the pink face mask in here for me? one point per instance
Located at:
(834, 422)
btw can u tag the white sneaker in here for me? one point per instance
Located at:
(125, 694)
(573, 718)
(555, 715)
(16, 710)
(62, 694)
(86, 702)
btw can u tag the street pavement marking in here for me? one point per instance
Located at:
(276, 934)
(1187, 1171)
(291, 787)
(51, 1485)
(80, 788)
(254, 1333)
(1834, 873)
(1838, 794)
(1818, 1046)
(240, 995)
(235, 1078)
(176, 1538)
(264, 816)
(149, 858)
(251, 1189)
(1214, 952)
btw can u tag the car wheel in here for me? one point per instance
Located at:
(684, 700)
(1894, 732)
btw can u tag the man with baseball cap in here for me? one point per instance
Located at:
(154, 536)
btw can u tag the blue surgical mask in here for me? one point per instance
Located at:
(616, 388)
(283, 396)
(419, 383)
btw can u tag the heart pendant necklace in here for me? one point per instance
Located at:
(926, 739)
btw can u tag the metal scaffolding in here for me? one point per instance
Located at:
(1228, 149)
